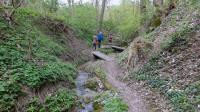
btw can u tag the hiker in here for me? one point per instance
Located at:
(94, 42)
(110, 39)
(100, 39)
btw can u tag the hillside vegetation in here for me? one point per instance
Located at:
(30, 58)
(173, 65)
(43, 43)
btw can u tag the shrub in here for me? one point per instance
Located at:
(63, 100)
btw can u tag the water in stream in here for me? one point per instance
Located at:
(84, 93)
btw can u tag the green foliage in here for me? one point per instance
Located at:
(125, 19)
(84, 21)
(194, 88)
(180, 99)
(63, 100)
(9, 91)
(51, 5)
(177, 37)
(51, 72)
(100, 73)
(92, 84)
(115, 105)
(28, 57)
(35, 106)
(111, 102)
(122, 57)
(150, 75)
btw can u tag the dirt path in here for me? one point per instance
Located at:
(130, 95)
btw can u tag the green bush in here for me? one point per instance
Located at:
(111, 102)
(115, 105)
(34, 106)
(124, 20)
(51, 72)
(28, 57)
(9, 91)
(63, 100)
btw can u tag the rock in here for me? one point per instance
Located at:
(87, 100)
(98, 107)
(107, 85)
(92, 84)
(198, 106)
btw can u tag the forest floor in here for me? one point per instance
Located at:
(130, 95)
(138, 97)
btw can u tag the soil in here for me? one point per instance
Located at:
(134, 100)
(77, 48)
(138, 97)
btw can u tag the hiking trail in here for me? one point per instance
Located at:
(130, 95)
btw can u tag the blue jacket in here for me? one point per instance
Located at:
(100, 37)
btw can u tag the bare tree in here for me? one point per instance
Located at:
(142, 6)
(102, 14)
(158, 3)
(8, 8)
(80, 2)
(71, 6)
(97, 10)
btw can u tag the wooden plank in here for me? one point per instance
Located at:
(102, 56)
(118, 48)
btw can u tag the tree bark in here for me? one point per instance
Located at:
(142, 6)
(80, 2)
(158, 3)
(102, 14)
(97, 10)
(71, 7)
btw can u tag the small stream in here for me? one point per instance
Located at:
(84, 93)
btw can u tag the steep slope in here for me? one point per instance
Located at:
(31, 70)
(173, 66)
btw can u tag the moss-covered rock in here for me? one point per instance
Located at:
(92, 84)
(98, 107)
(107, 85)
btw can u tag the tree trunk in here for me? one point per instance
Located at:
(102, 14)
(72, 7)
(97, 11)
(142, 6)
(80, 2)
(158, 3)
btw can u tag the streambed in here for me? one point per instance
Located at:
(86, 95)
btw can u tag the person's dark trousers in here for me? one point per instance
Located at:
(94, 46)
(99, 44)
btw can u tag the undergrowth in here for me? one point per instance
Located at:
(110, 102)
(63, 100)
(150, 75)
(183, 99)
(29, 58)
